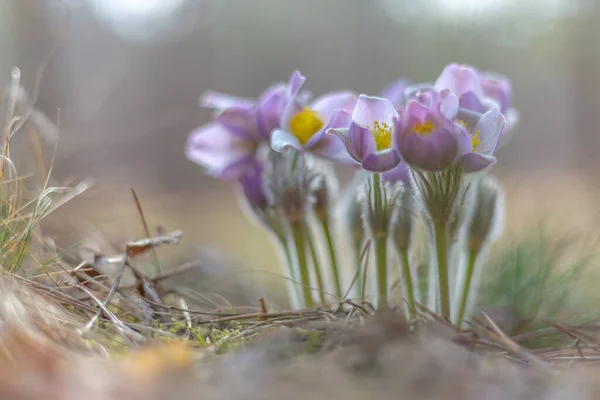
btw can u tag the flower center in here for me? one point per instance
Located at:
(382, 135)
(423, 128)
(305, 124)
(475, 141)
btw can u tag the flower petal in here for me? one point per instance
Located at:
(434, 152)
(220, 151)
(460, 79)
(381, 161)
(490, 127)
(475, 162)
(448, 104)
(498, 88)
(294, 84)
(332, 148)
(327, 104)
(469, 101)
(222, 101)
(282, 140)
(400, 173)
(362, 141)
(343, 135)
(270, 108)
(369, 110)
(241, 122)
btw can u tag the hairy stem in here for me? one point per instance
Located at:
(466, 287)
(316, 265)
(300, 245)
(380, 241)
(332, 257)
(442, 264)
(408, 282)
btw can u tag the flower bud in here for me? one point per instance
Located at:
(402, 223)
(488, 211)
(377, 220)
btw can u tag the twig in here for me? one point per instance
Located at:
(145, 225)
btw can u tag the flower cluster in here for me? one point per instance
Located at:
(459, 118)
(428, 139)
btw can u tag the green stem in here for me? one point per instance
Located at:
(410, 293)
(381, 258)
(290, 264)
(467, 287)
(300, 244)
(442, 263)
(315, 262)
(380, 240)
(359, 278)
(332, 257)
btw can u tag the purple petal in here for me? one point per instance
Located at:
(369, 110)
(343, 135)
(282, 140)
(253, 187)
(498, 88)
(222, 101)
(332, 148)
(327, 104)
(433, 152)
(490, 127)
(362, 142)
(240, 121)
(270, 108)
(460, 79)
(416, 110)
(469, 101)
(413, 91)
(381, 161)
(448, 103)
(475, 162)
(294, 84)
(400, 173)
(220, 151)
(290, 110)
(341, 118)
(394, 93)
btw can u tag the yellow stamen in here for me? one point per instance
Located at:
(475, 140)
(382, 135)
(305, 124)
(423, 128)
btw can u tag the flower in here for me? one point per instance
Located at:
(434, 133)
(428, 137)
(369, 139)
(485, 132)
(227, 147)
(479, 91)
(303, 124)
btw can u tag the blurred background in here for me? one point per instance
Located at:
(127, 76)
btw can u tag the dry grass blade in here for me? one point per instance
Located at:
(510, 344)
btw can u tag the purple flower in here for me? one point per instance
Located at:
(485, 132)
(369, 139)
(254, 190)
(227, 147)
(224, 153)
(428, 134)
(303, 123)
